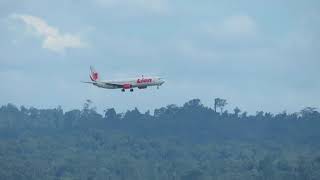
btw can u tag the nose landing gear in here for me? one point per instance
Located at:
(131, 90)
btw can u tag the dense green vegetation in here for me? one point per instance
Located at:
(191, 142)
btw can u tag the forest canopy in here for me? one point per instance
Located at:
(187, 142)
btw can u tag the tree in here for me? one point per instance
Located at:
(309, 113)
(71, 118)
(236, 111)
(193, 103)
(88, 109)
(87, 106)
(219, 103)
(110, 114)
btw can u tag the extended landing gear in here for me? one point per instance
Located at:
(157, 87)
(123, 90)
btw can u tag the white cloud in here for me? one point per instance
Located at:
(234, 27)
(243, 25)
(53, 39)
(190, 50)
(155, 6)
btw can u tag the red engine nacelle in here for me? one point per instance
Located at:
(127, 86)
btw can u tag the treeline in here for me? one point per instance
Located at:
(191, 122)
(186, 142)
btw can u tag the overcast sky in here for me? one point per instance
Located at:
(259, 55)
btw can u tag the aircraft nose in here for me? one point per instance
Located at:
(162, 81)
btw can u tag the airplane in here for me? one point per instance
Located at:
(140, 83)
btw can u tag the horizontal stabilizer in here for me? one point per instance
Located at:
(89, 82)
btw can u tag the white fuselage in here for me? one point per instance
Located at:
(141, 83)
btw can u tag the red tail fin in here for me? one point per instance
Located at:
(94, 76)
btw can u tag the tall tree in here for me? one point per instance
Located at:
(236, 111)
(219, 103)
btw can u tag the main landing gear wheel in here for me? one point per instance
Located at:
(131, 90)
(122, 90)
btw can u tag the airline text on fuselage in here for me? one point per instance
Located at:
(144, 81)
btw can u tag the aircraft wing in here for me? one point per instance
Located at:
(104, 83)
(112, 84)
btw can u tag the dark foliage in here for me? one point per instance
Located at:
(191, 142)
